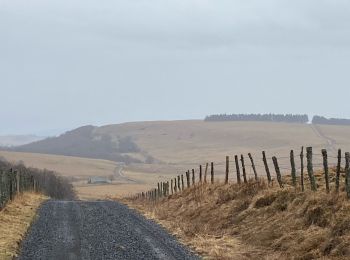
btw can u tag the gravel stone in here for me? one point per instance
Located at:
(95, 230)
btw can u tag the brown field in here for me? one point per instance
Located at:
(81, 169)
(181, 145)
(195, 141)
(65, 165)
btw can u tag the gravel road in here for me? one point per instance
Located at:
(97, 230)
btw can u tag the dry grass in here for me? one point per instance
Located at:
(91, 192)
(254, 221)
(15, 219)
(182, 142)
(81, 169)
(65, 165)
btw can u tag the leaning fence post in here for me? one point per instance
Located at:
(200, 173)
(227, 169)
(310, 169)
(266, 168)
(293, 170)
(302, 168)
(347, 174)
(278, 172)
(325, 167)
(212, 172)
(253, 166)
(337, 177)
(237, 170)
(243, 169)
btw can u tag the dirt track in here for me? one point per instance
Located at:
(97, 230)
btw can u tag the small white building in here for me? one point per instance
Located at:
(99, 180)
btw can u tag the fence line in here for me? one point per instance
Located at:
(243, 171)
(16, 179)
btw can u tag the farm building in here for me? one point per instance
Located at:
(99, 180)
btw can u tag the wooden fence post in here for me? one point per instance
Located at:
(325, 167)
(11, 184)
(178, 183)
(293, 170)
(18, 177)
(175, 185)
(347, 160)
(212, 172)
(278, 172)
(310, 169)
(337, 177)
(302, 168)
(193, 178)
(243, 169)
(227, 169)
(237, 170)
(200, 173)
(182, 182)
(253, 166)
(268, 175)
(347, 174)
(188, 179)
(172, 187)
(206, 172)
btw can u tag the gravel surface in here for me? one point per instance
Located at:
(97, 230)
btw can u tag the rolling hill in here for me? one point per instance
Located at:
(192, 141)
(156, 150)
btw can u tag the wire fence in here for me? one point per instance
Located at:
(16, 179)
(294, 170)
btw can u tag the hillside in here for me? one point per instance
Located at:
(187, 142)
(85, 142)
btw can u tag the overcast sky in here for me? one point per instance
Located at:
(69, 63)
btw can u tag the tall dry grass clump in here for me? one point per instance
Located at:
(15, 220)
(254, 221)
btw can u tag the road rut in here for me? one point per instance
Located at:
(97, 230)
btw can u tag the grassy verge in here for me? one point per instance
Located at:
(254, 221)
(15, 219)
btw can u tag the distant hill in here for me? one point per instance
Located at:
(85, 142)
(186, 142)
(16, 140)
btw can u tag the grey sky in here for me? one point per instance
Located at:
(72, 62)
